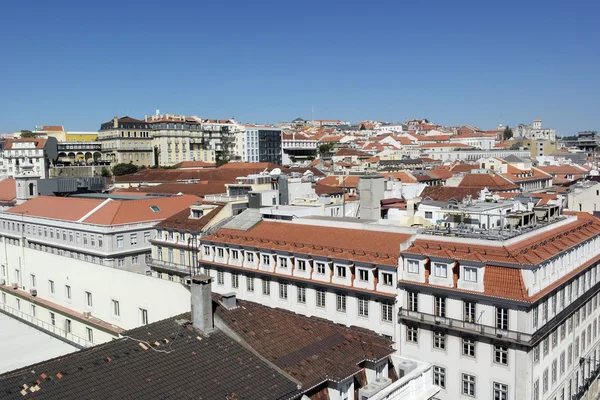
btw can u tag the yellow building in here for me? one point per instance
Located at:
(540, 147)
(81, 137)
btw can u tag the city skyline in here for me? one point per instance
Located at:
(466, 64)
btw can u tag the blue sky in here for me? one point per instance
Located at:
(453, 62)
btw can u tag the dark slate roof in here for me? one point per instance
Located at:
(310, 349)
(183, 365)
(183, 222)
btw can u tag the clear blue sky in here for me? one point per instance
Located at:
(453, 62)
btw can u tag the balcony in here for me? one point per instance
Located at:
(75, 340)
(415, 382)
(466, 327)
(224, 198)
(83, 146)
(126, 148)
(170, 266)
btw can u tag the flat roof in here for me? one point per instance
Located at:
(21, 345)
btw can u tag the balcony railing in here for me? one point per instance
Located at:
(467, 327)
(83, 146)
(126, 148)
(224, 198)
(169, 266)
(75, 340)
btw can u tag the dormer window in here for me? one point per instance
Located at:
(441, 270)
(413, 266)
(470, 274)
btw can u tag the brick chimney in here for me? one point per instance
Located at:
(202, 312)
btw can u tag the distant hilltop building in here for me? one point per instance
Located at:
(534, 131)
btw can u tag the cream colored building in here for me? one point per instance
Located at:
(127, 140)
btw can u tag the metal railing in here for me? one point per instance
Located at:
(464, 326)
(169, 265)
(44, 326)
(224, 198)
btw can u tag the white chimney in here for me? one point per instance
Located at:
(202, 312)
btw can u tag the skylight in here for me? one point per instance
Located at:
(155, 208)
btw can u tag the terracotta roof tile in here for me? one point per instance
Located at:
(8, 190)
(493, 182)
(445, 193)
(351, 244)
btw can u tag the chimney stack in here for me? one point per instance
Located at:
(202, 312)
(229, 301)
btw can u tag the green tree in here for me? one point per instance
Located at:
(325, 148)
(124, 169)
(105, 172)
(362, 127)
(507, 134)
(221, 158)
(28, 135)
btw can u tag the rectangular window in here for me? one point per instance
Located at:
(554, 339)
(502, 318)
(469, 311)
(413, 266)
(283, 290)
(536, 390)
(85, 241)
(439, 377)
(468, 385)
(470, 274)
(412, 334)
(250, 257)
(546, 346)
(439, 340)
(135, 260)
(120, 242)
(220, 278)
(92, 240)
(68, 292)
(206, 250)
(301, 291)
(545, 381)
(266, 260)
(501, 355)
(363, 275)
(220, 252)
(387, 279)
(320, 298)
(535, 317)
(33, 281)
(500, 391)
(250, 283)
(53, 319)
(341, 271)
(146, 238)
(301, 265)
(121, 262)
(428, 214)
(133, 239)
(468, 347)
(536, 354)
(562, 363)
(440, 306)
(570, 355)
(143, 316)
(90, 334)
(33, 310)
(88, 299)
(116, 310)
(554, 370)
(266, 287)
(341, 302)
(441, 270)
(67, 325)
(100, 243)
(387, 311)
(235, 281)
(283, 262)
(51, 286)
(363, 307)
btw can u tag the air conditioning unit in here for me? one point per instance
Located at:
(87, 314)
(382, 382)
(405, 367)
(15, 285)
(368, 391)
(33, 292)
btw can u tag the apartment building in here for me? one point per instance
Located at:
(76, 267)
(259, 144)
(127, 140)
(177, 138)
(40, 152)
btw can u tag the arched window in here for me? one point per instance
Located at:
(31, 186)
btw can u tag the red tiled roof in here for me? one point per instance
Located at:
(199, 189)
(183, 222)
(351, 152)
(39, 143)
(349, 244)
(493, 182)
(8, 190)
(53, 128)
(533, 174)
(445, 193)
(402, 176)
(350, 181)
(112, 212)
(243, 165)
(437, 145)
(195, 164)
(310, 349)
(462, 167)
